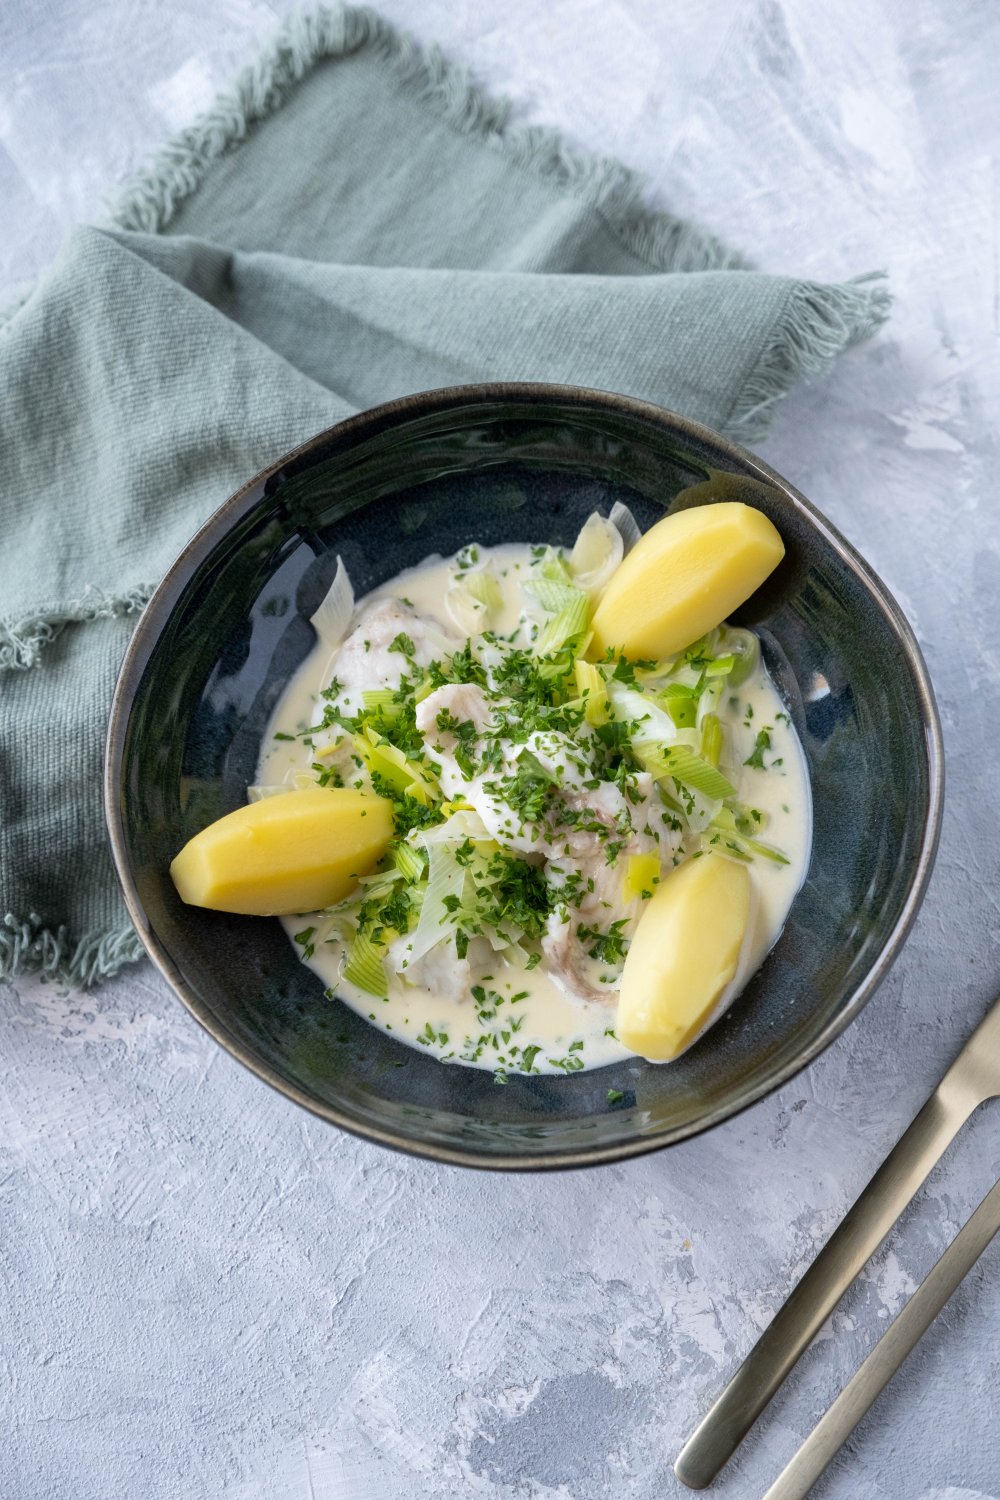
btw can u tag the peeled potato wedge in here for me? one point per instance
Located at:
(685, 953)
(683, 577)
(285, 854)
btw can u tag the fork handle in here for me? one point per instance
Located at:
(850, 1246)
(836, 1426)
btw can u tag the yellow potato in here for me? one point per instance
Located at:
(685, 952)
(684, 577)
(295, 852)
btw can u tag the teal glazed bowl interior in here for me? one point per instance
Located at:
(229, 625)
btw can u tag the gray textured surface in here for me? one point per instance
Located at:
(207, 1293)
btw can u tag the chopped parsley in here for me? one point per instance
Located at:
(404, 645)
(610, 946)
(756, 756)
(305, 941)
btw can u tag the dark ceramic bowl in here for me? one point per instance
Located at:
(229, 625)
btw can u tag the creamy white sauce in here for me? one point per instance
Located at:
(567, 1031)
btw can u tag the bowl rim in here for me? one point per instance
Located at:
(429, 403)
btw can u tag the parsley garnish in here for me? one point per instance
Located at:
(404, 645)
(608, 946)
(528, 790)
(304, 940)
(756, 756)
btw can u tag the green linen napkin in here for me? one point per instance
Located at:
(354, 221)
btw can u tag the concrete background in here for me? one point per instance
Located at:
(207, 1293)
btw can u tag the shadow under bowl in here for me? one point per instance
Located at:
(228, 626)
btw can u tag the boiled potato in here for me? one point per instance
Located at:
(685, 576)
(285, 854)
(684, 954)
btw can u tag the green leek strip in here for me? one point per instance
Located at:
(408, 862)
(720, 666)
(654, 723)
(711, 738)
(402, 775)
(365, 967)
(332, 619)
(725, 843)
(551, 595)
(597, 553)
(671, 802)
(749, 822)
(642, 873)
(484, 587)
(553, 567)
(725, 828)
(681, 704)
(379, 884)
(501, 939)
(744, 646)
(445, 886)
(466, 609)
(711, 696)
(378, 755)
(461, 823)
(565, 626)
(681, 763)
(258, 793)
(591, 686)
(625, 522)
(766, 851)
(382, 700)
(336, 927)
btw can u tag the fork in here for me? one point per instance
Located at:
(973, 1078)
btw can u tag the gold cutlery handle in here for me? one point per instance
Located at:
(833, 1429)
(850, 1246)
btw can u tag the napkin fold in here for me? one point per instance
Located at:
(352, 222)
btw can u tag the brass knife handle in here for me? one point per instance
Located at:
(833, 1429)
(851, 1245)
